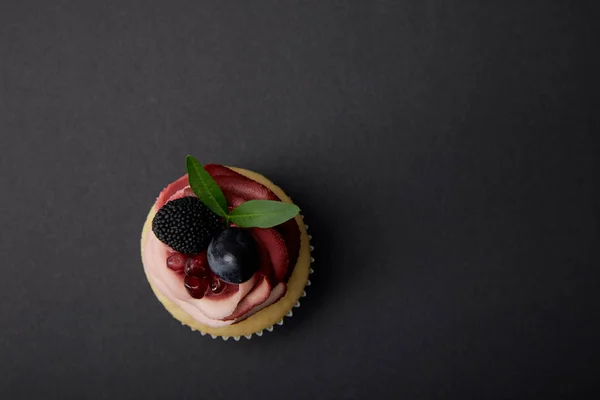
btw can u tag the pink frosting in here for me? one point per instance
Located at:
(208, 311)
(251, 296)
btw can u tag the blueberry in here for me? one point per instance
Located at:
(233, 255)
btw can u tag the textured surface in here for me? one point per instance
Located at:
(442, 153)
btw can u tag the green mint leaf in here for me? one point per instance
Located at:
(206, 188)
(262, 213)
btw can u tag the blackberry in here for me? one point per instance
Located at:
(186, 225)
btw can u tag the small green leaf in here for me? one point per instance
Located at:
(262, 213)
(206, 188)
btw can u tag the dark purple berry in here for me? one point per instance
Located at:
(233, 255)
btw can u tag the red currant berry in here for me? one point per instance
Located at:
(197, 266)
(195, 286)
(176, 262)
(216, 286)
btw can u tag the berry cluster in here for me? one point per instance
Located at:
(199, 280)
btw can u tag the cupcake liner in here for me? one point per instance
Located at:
(289, 314)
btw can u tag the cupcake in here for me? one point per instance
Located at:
(226, 251)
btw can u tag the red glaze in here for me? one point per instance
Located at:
(244, 188)
(220, 170)
(232, 200)
(277, 250)
(266, 268)
(291, 234)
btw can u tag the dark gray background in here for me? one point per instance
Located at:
(441, 152)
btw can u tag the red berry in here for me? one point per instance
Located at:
(197, 266)
(176, 262)
(216, 286)
(195, 286)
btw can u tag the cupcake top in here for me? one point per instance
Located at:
(222, 245)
